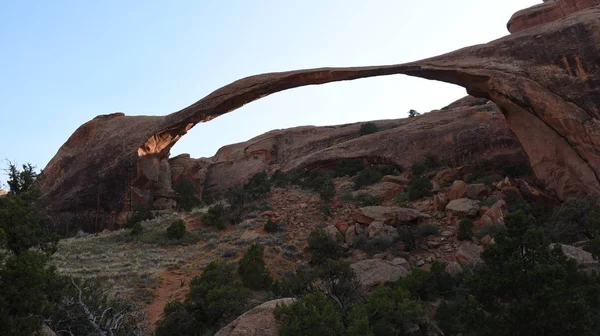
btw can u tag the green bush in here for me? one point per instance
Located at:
(270, 226)
(322, 247)
(413, 113)
(312, 314)
(419, 187)
(361, 199)
(326, 210)
(417, 168)
(368, 128)
(524, 287)
(316, 178)
(137, 229)
(575, 220)
(214, 299)
(402, 200)
(491, 230)
(366, 177)
(465, 229)
(258, 187)
(215, 216)
(327, 191)
(408, 237)
(349, 167)
(141, 212)
(176, 230)
(186, 195)
(372, 245)
(253, 270)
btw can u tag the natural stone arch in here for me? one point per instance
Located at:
(546, 80)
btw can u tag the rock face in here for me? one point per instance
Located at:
(385, 214)
(259, 321)
(583, 258)
(463, 207)
(550, 10)
(545, 80)
(373, 272)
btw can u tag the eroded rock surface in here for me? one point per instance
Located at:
(545, 79)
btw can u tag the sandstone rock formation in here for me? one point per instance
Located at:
(545, 79)
(258, 321)
(373, 272)
(550, 10)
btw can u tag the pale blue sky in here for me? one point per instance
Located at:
(64, 62)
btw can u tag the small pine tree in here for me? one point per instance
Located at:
(327, 191)
(270, 226)
(322, 247)
(413, 113)
(368, 128)
(176, 230)
(253, 270)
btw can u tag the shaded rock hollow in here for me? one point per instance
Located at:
(544, 79)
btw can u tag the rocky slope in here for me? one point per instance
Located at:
(545, 79)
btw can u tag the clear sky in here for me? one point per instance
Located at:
(64, 62)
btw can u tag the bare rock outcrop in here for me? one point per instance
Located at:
(258, 321)
(545, 80)
(550, 10)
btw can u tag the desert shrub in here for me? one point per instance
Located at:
(465, 229)
(367, 177)
(186, 195)
(327, 191)
(176, 230)
(387, 170)
(574, 220)
(419, 187)
(137, 229)
(316, 178)
(408, 237)
(253, 270)
(431, 161)
(491, 230)
(322, 247)
(141, 212)
(427, 229)
(214, 299)
(524, 287)
(361, 199)
(161, 238)
(270, 226)
(401, 199)
(280, 179)
(368, 128)
(258, 186)
(490, 201)
(215, 216)
(349, 167)
(326, 210)
(593, 247)
(429, 285)
(373, 245)
(312, 314)
(417, 168)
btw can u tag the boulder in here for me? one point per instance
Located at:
(350, 234)
(375, 229)
(477, 191)
(384, 190)
(468, 253)
(453, 268)
(385, 214)
(334, 233)
(457, 190)
(373, 272)
(463, 207)
(583, 258)
(495, 214)
(447, 175)
(439, 202)
(550, 10)
(258, 321)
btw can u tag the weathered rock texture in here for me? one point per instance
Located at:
(546, 81)
(550, 10)
(259, 321)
